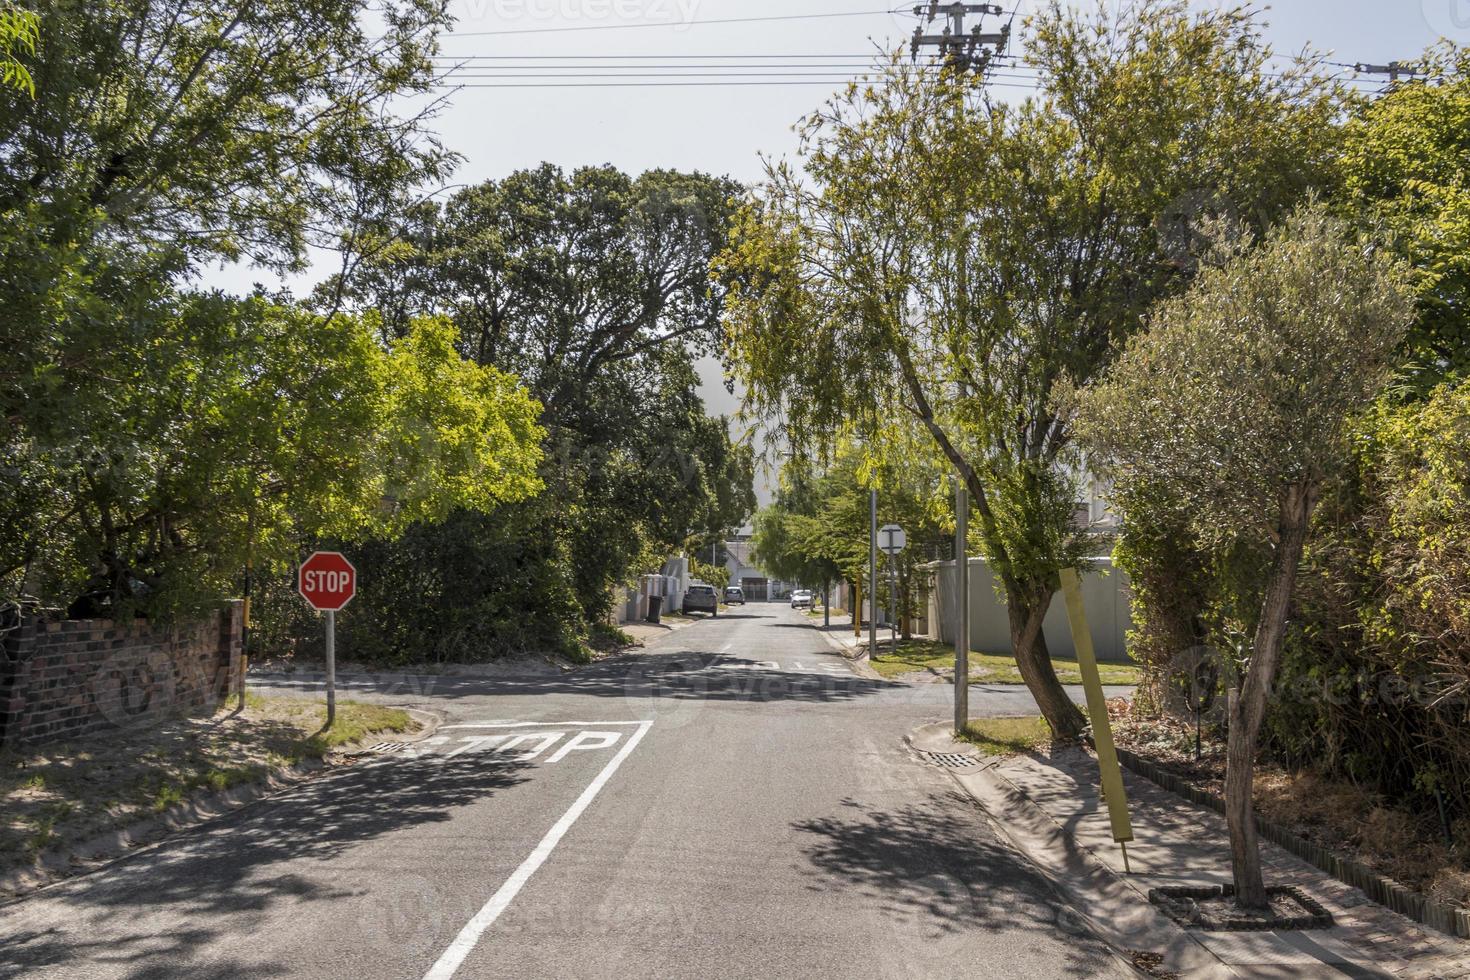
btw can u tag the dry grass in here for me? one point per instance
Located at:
(1407, 846)
(69, 793)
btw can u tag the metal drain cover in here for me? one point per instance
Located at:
(383, 748)
(951, 760)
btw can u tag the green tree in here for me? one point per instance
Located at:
(1407, 159)
(1236, 403)
(182, 438)
(20, 30)
(593, 288)
(953, 260)
(245, 129)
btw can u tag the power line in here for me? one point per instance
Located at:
(668, 23)
(450, 85)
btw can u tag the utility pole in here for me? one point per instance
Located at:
(1393, 70)
(962, 604)
(873, 572)
(962, 51)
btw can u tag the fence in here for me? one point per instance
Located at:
(70, 678)
(1105, 597)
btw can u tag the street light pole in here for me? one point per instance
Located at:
(962, 604)
(873, 572)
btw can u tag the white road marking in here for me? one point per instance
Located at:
(469, 936)
(586, 742)
(545, 741)
(541, 724)
(477, 742)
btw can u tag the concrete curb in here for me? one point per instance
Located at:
(63, 864)
(1111, 909)
(857, 657)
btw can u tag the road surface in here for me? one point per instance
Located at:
(732, 801)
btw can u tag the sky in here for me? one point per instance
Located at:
(502, 121)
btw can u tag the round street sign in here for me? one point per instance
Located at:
(892, 539)
(327, 581)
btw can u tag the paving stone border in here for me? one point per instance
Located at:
(1437, 915)
(1180, 903)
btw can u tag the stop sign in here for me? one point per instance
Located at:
(327, 580)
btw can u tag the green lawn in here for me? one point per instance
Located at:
(986, 668)
(1007, 736)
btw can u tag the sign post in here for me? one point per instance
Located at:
(328, 581)
(1114, 795)
(892, 540)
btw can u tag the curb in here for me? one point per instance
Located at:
(55, 867)
(1385, 891)
(1111, 909)
(857, 657)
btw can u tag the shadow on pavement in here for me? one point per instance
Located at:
(934, 868)
(681, 675)
(217, 878)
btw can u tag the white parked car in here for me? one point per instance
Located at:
(801, 599)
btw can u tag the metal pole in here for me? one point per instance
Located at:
(331, 667)
(962, 605)
(873, 571)
(893, 599)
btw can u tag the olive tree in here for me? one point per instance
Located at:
(1235, 404)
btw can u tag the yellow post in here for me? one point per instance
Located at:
(1097, 706)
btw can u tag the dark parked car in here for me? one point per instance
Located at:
(734, 596)
(702, 598)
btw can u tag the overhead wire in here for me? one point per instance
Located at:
(669, 23)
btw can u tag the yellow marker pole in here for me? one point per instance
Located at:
(1097, 706)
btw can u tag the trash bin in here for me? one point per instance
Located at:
(655, 607)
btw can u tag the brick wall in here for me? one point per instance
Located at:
(61, 680)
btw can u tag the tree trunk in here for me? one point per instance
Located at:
(1248, 705)
(1026, 614)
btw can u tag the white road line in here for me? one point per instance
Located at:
(465, 942)
(540, 724)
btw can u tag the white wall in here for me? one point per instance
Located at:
(1104, 595)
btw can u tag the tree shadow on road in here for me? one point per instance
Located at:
(941, 878)
(676, 674)
(220, 879)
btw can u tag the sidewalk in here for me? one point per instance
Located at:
(645, 633)
(1050, 809)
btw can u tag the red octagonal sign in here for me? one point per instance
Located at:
(327, 580)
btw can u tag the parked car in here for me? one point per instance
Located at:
(702, 598)
(734, 596)
(801, 599)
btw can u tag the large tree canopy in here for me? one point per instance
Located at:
(952, 259)
(592, 287)
(1408, 160)
(248, 128)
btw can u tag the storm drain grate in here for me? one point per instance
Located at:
(383, 748)
(951, 760)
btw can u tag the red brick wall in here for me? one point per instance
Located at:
(61, 680)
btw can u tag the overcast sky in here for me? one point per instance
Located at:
(677, 119)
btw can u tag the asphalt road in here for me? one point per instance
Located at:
(731, 802)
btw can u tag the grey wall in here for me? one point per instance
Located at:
(1104, 595)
